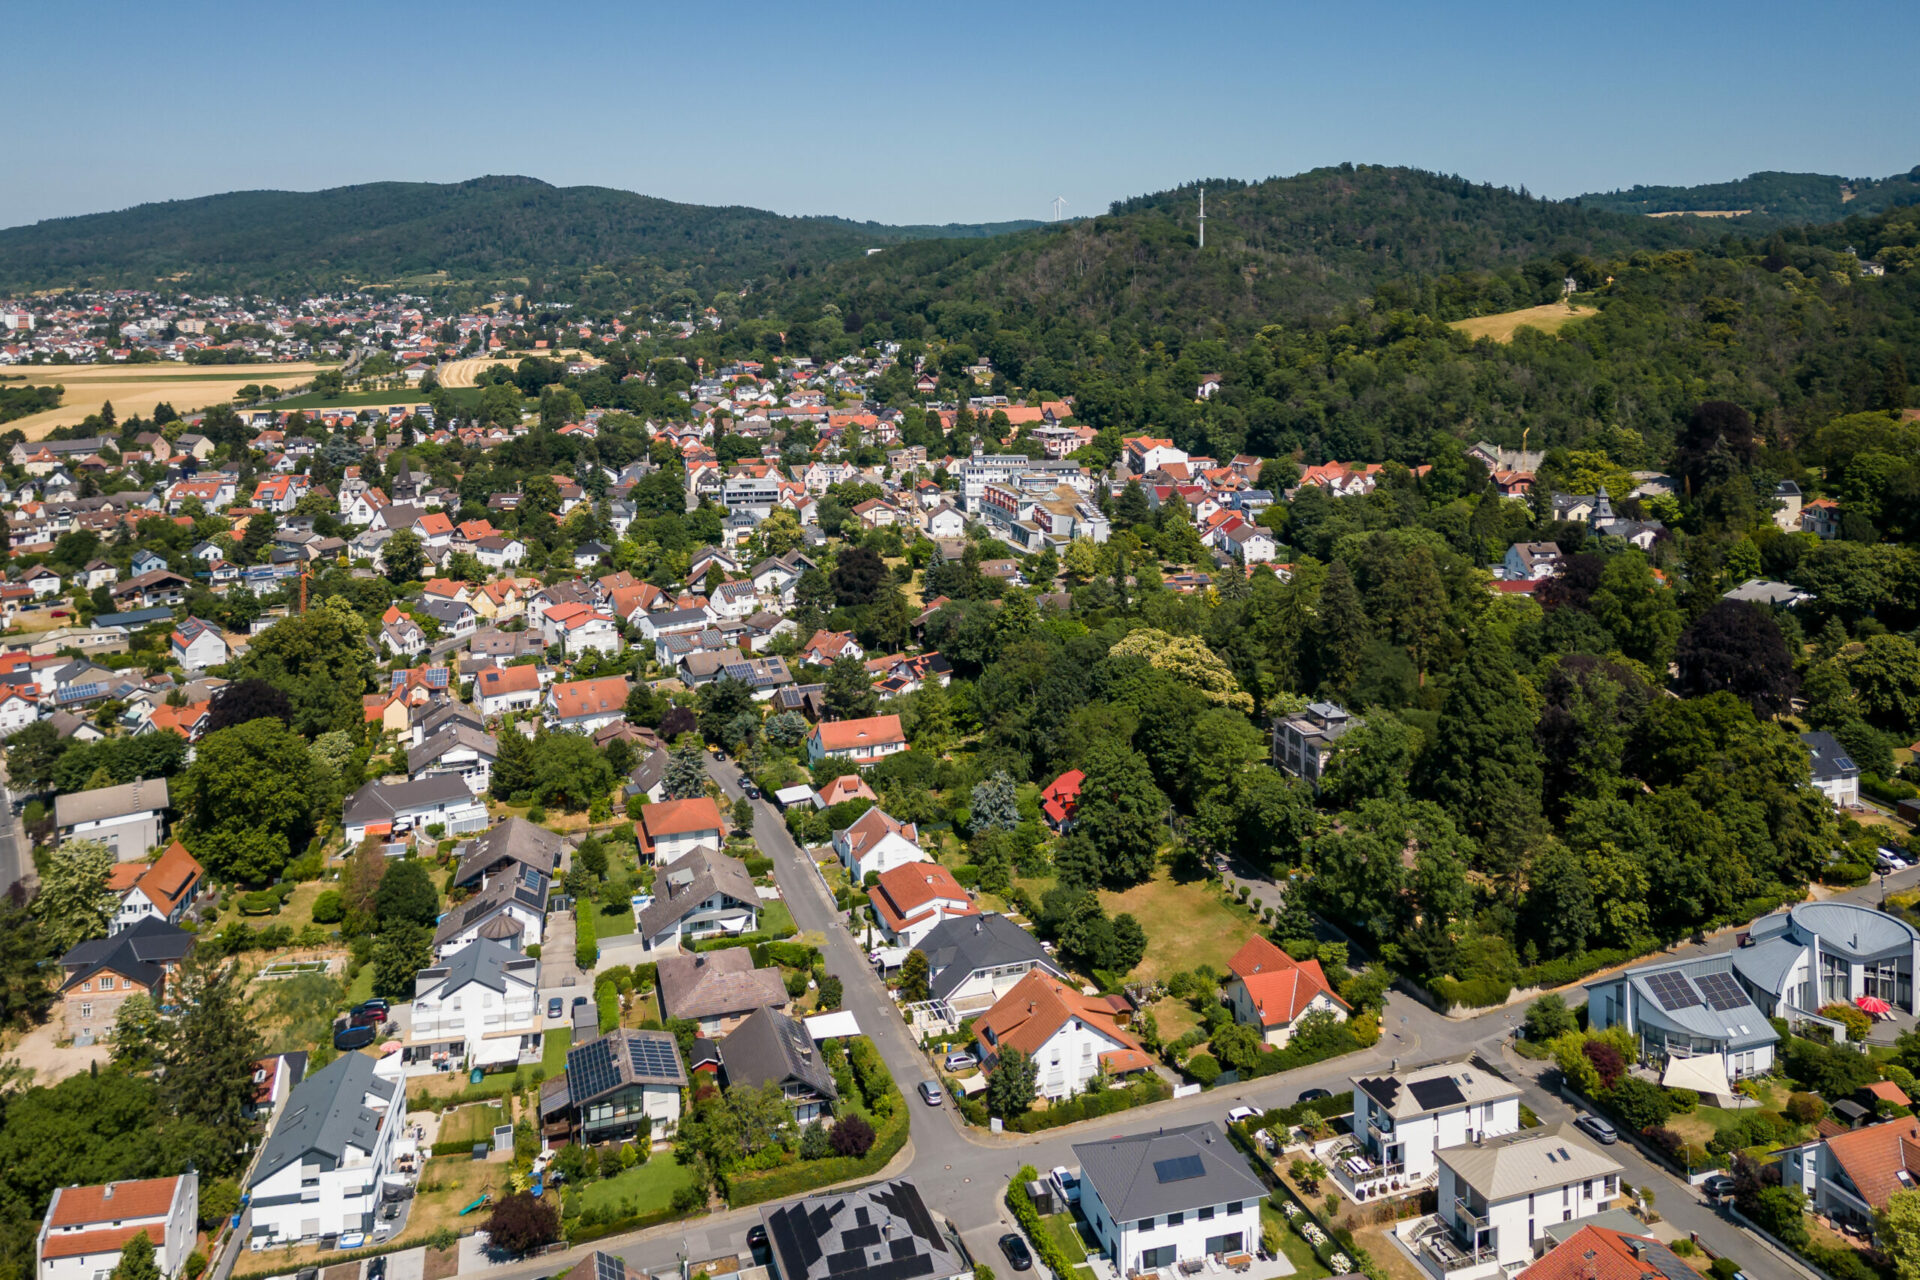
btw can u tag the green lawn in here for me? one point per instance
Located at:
(361, 988)
(641, 1189)
(776, 919)
(553, 1050)
(614, 924)
(1306, 1265)
(474, 1122)
(1187, 924)
(1059, 1228)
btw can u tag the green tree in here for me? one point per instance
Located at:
(74, 903)
(913, 976)
(993, 803)
(248, 799)
(136, 1260)
(406, 895)
(137, 1032)
(25, 995)
(1639, 612)
(254, 543)
(403, 556)
(1885, 674)
(1120, 812)
(321, 660)
(1898, 1233)
(850, 694)
(1485, 763)
(31, 755)
(398, 954)
(207, 1054)
(569, 773)
(1339, 634)
(514, 767)
(1012, 1084)
(686, 772)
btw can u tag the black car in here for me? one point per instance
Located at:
(1017, 1252)
(350, 1038)
(1312, 1095)
(1717, 1186)
(757, 1236)
(377, 1268)
(750, 791)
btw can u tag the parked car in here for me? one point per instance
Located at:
(932, 1094)
(347, 1039)
(1597, 1129)
(961, 1061)
(1017, 1252)
(555, 1007)
(750, 791)
(1240, 1115)
(366, 1017)
(1067, 1183)
(377, 1268)
(374, 1002)
(1312, 1095)
(1717, 1186)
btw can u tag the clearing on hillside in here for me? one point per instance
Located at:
(1547, 319)
(137, 388)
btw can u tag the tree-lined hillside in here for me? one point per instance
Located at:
(1770, 198)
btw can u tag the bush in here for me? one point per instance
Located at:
(586, 943)
(1806, 1108)
(329, 908)
(1858, 1024)
(851, 1136)
(1203, 1067)
(259, 903)
(1087, 1106)
(1474, 993)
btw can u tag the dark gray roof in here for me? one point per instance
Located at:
(325, 1114)
(879, 1232)
(381, 802)
(481, 963)
(1830, 759)
(455, 734)
(514, 840)
(958, 946)
(691, 879)
(140, 952)
(446, 713)
(649, 773)
(1146, 1175)
(770, 1047)
(526, 886)
(1671, 996)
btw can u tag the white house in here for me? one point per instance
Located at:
(1402, 1121)
(586, 705)
(479, 1007)
(19, 707)
(1156, 1200)
(459, 750)
(1531, 561)
(1272, 991)
(877, 843)
(511, 910)
(1697, 1011)
(974, 960)
(498, 690)
(330, 1156)
(1071, 1038)
(702, 894)
(863, 742)
(1852, 1175)
(197, 645)
(390, 810)
(1499, 1197)
(912, 899)
(1835, 773)
(129, 818)
(616, 1085)
(86, 1227)
(164, 888)
(674, 828)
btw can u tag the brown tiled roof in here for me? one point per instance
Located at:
(714, 983)
(1874, 1157)
(1039, 1005)
(79, 1206)
(1596, 1253)
(905, 893)
(589, 697)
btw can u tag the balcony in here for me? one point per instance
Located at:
(1439, 1251)
(1363, 1177)
(1463, 1214)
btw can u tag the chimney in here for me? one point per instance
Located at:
(108, 1193)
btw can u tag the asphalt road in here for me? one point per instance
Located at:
(962, 1172)
(16, 863)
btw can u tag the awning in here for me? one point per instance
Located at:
(824, 1026)
(975, 1083)
(1705, 1073)
(497, 1053)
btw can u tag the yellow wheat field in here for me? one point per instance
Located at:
(1500, 328)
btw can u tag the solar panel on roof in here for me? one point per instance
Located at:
(1431, 1094)
(1178, 1169)
(1721, 991)
(651, 1057)
(607, 1267)
(1844, 762)
(1673, 991)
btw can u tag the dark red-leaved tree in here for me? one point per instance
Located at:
(244, 700)
(521, 1224)
(851, 1136)
(1606, 1060)
(1737, 647)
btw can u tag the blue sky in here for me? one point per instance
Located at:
(938, 113)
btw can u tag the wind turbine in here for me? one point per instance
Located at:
(1059, 203)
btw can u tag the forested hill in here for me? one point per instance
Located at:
(1770, 199)
(1283, 249)
(504, 230)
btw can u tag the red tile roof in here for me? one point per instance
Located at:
(1595, 1253)
(1874, 1157)
(587, 697)
(1062, 796)
(909, 894)
(1281, 987)
(82, 1206)
(1038, 1006)
(680, 817)
(846, 735)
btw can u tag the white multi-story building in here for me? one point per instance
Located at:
(331, 1155)
(480, 1007)
(1497, 1198)
(1402, 1121)
(1156, 1200)
(1069, 1037)
(86, 1227)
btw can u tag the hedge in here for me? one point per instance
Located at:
(586, 941)
(1029, 1219)
(1888, 791)
(577, 1234)
(606, 1003)
(801, 1177)
(741, 940)
(1087, 1106)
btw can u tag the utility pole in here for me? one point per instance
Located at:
(1059, 203)
(1203, 217)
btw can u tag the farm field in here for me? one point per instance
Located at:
(1547, 319)
(466, 373)
(137, 388)
(466, 398)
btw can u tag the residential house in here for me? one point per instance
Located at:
(1171, 1198)
(499, 690)
(825, 648)
(717, 989)
(85, 1228)
(768, 1047)
(19, 707)
(913, 898)
(129, 819)
(1850, 1176)
(1071, 1038)
(1532, 562)
(100, 973)
(863, 742)
(1061, 798)
(974, 960)
(579, 629)
(875, 843)
(274, 1079)
(1303, 743)
(1835, 773)
(883, 1231)
(616, 1087)
(1591, 1251)
(330, 1158)
(511, 911)
(1821, 518)
(457, 750)
(477, 1009)
(1693, 1011)
(701, 894)
(842, 790)
(456, 618)
(1403, 1120)
(162, 889)
(586, 705)
(391, 810)
(1271, 991)
(402, 636)
(1497, 1198)
(506, 847)
(1814, 954)
(674, 828)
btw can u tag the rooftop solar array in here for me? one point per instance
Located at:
(652, 1057)
(1673, 991)
(590, 1069)
(1432, 1094)
(608, 1267)
(1721, 991)
(1179, 1169)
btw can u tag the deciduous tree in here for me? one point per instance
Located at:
(1737, 647)
(74, 903)
(248, 799)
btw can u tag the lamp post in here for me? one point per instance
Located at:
(1883, 890)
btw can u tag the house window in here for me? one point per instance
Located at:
(1145, 1224)
(1174, 1219)
(1206, 1214)
(86, 1011)
(1234, 1207)
(106, 984)
(1154, 1259)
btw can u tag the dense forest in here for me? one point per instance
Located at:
(1771, 199)
(503, 230)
